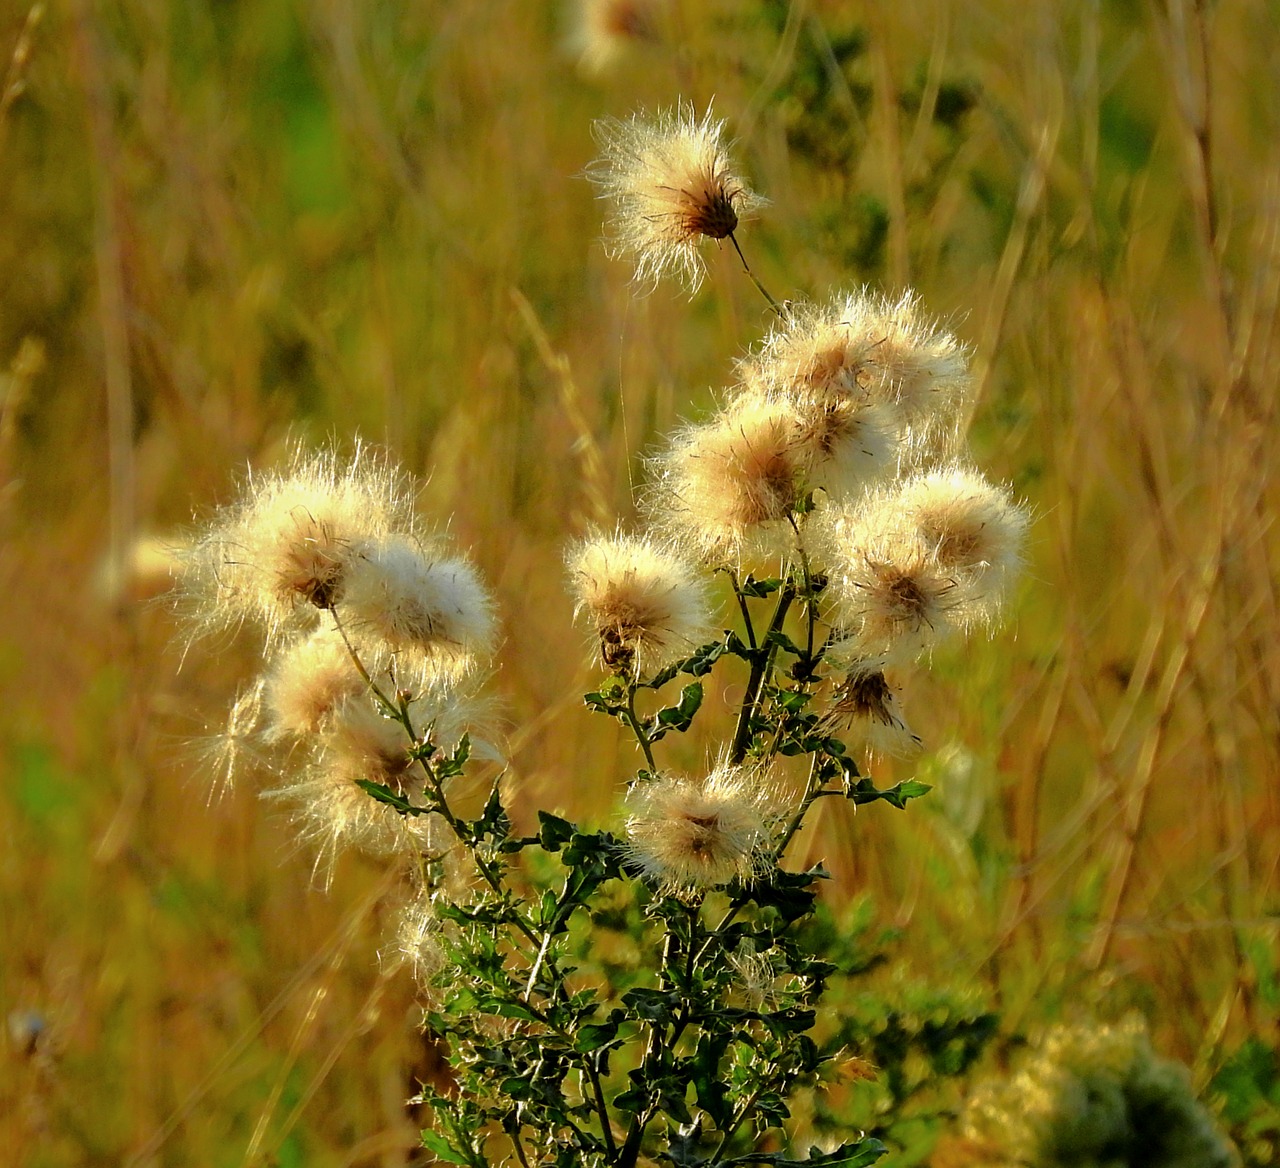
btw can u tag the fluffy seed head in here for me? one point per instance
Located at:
(279, 555)
(970, 526)
(400, 598)
(872, 350)
(725, 488)
(891, 599)
(688, 836)
(607, 31)
(648, 605)
(672, 186)
(306, 682)
(864, 702)
(356, 743)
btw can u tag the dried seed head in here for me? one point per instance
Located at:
(865, 703)
(403, 599)
(307, 681)
(891, 599)
(845, 444)
(688, 836)
(605, 32)
(647, 604)
(971, 527)
(279, 555)
(672, 185)
(357, 743)
(333, 812)
(870, 350)
(726, 489)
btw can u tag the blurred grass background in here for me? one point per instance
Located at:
(229, 225)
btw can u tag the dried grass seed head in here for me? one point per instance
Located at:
(688, 835)
(403, 598)
(279, 555)
(725, 489)
(648, 605)
(672, 185)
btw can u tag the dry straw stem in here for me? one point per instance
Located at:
(647, 604)
(672, 185)
(689, 835)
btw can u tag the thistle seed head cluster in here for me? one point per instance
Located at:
(646, 604)
(672, 185)
(367, 621)
(687, 835)
(1096, 1097)
(835, 456)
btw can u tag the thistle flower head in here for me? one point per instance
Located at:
(353, 743)
(280, 554)
(871, 350)
(969, 525)
(1095, 1096)
(402, 598)
(672, 185)
(725, 489)
(864, 702)
(306, 682)
(891, 599)
(647, 604)
(688, 836)
(606, 31)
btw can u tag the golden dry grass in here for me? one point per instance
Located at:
(228, 226)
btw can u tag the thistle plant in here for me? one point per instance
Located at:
(1093, 1097)
(818, 532)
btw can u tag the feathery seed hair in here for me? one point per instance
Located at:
(279, 554)
(970, 525)
(401, 598)
(688, 836)
(891, 599)
(672, 185)
(869, 349)
(647, 604)
(725, 489)
(864, 702)
(306, 682)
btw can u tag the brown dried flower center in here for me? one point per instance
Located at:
(709, 211)
(866, 695)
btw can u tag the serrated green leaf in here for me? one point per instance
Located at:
(440, 1147)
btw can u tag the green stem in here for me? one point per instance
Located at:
(742, 607)
(633, 720)
(779, 311)
(762, 658)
